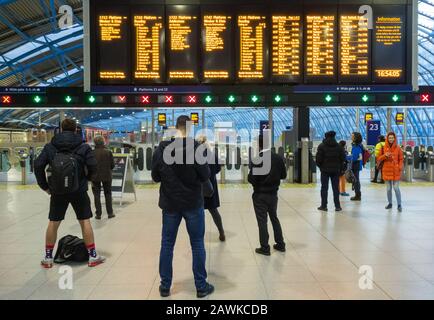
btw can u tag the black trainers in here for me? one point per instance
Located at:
(263, 251)
(164, 292)
(205, 292)
(322, 209)
(338, 209)
(279, 247)
(389, 206)
(400, 208)
(356, 198)
(98, 217)
(110, 216)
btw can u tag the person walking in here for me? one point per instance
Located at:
(357, 151)
(181, 197)
(103, 176)
(67, 183)
(342, 179)
(213, 203)
(330, 158)
(266, 187)
(378, 148)
(392, 160)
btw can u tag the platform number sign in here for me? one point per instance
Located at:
(368, 117)
(263, 125)
(399, 118)
(162, 119)
(373, 130)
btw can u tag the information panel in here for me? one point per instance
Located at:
(217, 46)
(148, 35)
(354, 47)
(113, 44)
(286, 46)
(183, 38)
(320, 45)
(389, 44)
(252, 47)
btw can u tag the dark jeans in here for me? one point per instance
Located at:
(96, 189)
(217, 219)
(357, 183)
(266, 205)
(325, 177)
(195, 222)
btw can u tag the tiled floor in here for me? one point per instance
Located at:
(324, 253)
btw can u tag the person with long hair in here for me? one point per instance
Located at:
(378, 148)
(357, 151)
(392, 161)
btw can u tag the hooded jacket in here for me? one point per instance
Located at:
(392, 165)
(67, 141)
(330, 156)
(181, 182)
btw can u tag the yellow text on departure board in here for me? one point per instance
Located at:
(354, 55)
(148, 29)
(111, 27)
(320, 45)
(286, 45)
(180, 29)
(114, 75)
(252, 33)
(388, 30)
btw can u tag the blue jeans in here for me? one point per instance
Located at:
(395, 185)
(195, 222)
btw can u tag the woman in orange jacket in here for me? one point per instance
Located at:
(391, 161)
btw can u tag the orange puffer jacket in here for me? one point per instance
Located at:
(393, 164)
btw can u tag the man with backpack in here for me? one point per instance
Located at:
(71, 163)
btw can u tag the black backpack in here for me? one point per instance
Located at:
(71, 248)
(63, 172)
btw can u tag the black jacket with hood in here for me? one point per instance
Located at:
(330, 156)
(181, 183)
(67, 141)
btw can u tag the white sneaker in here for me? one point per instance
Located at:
(47, 263)
(93, 262)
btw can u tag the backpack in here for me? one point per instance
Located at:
(71, 248)
(366, 156)
(63, 173)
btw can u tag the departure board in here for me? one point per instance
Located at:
(304, 43)
(252, 40)
(113, 41)
(217, 46)
(148, 23)
(320, 62)
(286, 48)
(183, 38)
(354, 48)
(389, 44)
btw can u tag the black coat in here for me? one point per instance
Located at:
(181, 183)
(67, 141)
(270, 182)
(330, 157)
(105, 161)
(214, 201)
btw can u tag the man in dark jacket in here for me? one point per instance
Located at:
(265, 188)
(181, 196)
(330, 158)
(103, 175)
(68, 142)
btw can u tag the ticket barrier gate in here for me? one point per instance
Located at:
(408, 172)
(430, 164)
(290, 166)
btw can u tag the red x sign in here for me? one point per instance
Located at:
(191, 99)
(6, 99)
(425, 98)
(146, 99)
(169, 99)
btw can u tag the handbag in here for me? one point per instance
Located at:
(207, 189)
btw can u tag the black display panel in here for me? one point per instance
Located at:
(217, 45)
(182, 25)
(149, 44)
(113, 43)
(320, 44)
(355, 43)
(286, 50)
(252, 45)
(389, 44)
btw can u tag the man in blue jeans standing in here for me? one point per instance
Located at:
(181, 177)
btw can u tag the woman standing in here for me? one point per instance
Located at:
(342, 180)
(392, 160)
(357, 163)
(212, 203)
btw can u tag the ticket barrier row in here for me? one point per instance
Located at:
(17, 163)
(410, 173)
